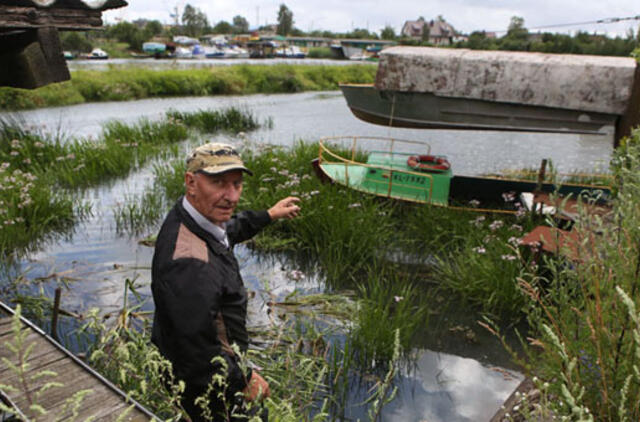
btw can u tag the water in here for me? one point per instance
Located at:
(163, 64)
(313, 115)
(452, 380)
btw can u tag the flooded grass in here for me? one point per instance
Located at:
(231, 120)
(131, 84)
(40, 174)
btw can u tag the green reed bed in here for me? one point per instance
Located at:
(584, 344)
(482, 267)
(122, 84)
(29, 208)
(231, 120)
(39, 173)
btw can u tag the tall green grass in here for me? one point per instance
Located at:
(40, 173)
(584, 341)
(231, 120)
(121, 84)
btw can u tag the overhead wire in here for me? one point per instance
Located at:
(598, 21)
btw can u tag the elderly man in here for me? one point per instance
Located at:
(200, 299)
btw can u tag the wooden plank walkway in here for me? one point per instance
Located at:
(105, 402)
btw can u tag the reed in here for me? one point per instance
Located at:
(403, 309)
(583, 343)
(208, 121)
(483, 267)
(137, 214)
(121, 84)
(41, 173)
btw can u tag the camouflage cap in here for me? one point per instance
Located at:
(215, 158)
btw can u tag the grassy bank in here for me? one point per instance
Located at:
(133, 84)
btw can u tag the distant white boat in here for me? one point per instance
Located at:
(183, 53)
(213, 52)
(98, 54)
(235, 52)
(290, 52)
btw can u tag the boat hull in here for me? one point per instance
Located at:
(430, 111)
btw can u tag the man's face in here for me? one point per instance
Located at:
(214, 196)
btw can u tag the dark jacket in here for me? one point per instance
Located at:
(200, 299)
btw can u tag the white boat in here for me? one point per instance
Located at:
(98, 54)
(183, 53)
(235, 52)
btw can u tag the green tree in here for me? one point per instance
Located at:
(75, 41)
(388, 33)
(127, 32)
(153, 28)
(240, 25)
(426, 31)
(285, 20)
(222, 27)
(516, 37)
(361, 33)
(194, 21)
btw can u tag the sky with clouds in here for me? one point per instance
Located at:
(345, 15)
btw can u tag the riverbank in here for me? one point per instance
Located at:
(121, 84)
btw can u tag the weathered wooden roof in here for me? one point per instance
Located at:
(68, 4)
(577, 82)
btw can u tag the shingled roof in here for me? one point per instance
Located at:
(30, 48)
(68, 4)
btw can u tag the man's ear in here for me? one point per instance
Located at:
(189, 182)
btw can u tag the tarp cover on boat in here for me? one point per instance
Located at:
(577, 82)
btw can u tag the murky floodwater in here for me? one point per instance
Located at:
(446, 385)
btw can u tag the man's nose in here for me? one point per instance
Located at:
(232, 193)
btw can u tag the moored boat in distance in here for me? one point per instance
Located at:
(408, 171)
(97, 54)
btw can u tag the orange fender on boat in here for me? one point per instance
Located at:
(428, 163)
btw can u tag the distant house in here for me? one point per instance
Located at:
(440, 31)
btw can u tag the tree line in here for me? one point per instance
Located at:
(194, 22)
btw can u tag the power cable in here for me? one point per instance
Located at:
(599, 21)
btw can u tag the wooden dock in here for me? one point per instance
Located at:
(105, 402)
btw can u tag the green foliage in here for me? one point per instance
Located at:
(32, 385)
(38, 173)
(194, 21)
(75, 41)
(285, 20)
(361, 33)
(518, 38)
(586, 319)
(240, 25)
(222, 27)
(231, 120)
(130, 84)
(400, 305)
(388, 33)
(319, 53)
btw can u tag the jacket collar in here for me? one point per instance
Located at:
(195, 228)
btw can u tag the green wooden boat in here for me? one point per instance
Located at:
(408, 171)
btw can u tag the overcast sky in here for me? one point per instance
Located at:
(345, 15)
